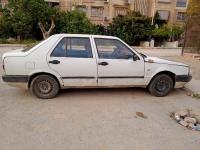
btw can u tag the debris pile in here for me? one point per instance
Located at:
(187, 118)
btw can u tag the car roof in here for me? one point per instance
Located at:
(85, 35)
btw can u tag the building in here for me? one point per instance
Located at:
(98, 11)
(103, 11)
(3, 3)
(173, 11)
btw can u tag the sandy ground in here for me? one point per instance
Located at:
(95, 119)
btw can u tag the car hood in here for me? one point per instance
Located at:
(163, 61)
(14, 53)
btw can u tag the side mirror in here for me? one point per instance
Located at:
(135, 58)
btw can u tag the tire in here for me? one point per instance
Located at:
(161, 85)
(44, 87)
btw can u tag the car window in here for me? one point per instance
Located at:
(73, 47)
(79, 48)
(60, 49)
(112, 49)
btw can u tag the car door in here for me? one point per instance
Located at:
(73, 59)
(118, 64)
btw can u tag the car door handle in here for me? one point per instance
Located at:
(103, 63)
(54, 62)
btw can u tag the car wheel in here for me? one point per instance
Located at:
(44, 87)
(161, 85)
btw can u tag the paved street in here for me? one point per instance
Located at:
(96, 119)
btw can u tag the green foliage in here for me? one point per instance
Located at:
(161, 33)
(166, 32)
(20, 17)
(99, 29)
(6, 29)
(176, 32)
(196, 95)
(21, 23)
(132, 27)
(73, 22)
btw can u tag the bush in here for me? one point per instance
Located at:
(167, 33)
(132, 27)
(73, 22)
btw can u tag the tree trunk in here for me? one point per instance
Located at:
(45, 33)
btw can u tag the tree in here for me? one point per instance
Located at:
(100, 29)
(132, 27)
(43, 15)
(16, 18)
(192, 34)
(6, 29)
(73, 22)
(24, 15)
(193, 8)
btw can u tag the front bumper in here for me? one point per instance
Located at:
(183, 78)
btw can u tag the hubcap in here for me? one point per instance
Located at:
(44, 87)
(162, 85)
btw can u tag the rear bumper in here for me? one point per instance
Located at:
(16, 80)
(183, 78)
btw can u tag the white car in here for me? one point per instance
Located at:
(89, 61)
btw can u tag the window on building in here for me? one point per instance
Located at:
(81, 8)
(120, 11)
(181, 3)
(181, 16)
(164, 1)
(97, 11)
(164, 14)
(54, 3)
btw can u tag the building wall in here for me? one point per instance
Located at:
(103, 11)
(171, 7)
(98, 11)
(110, 9)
